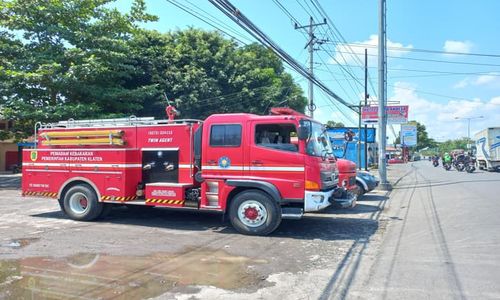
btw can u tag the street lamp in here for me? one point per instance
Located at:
(468, 123)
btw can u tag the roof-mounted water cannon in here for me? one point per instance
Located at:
(285, 111)
(170, 110)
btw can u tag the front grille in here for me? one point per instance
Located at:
(328, 179)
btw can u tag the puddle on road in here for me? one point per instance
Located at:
(102, 276)
(19, 243)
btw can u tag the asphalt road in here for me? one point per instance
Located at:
(445, 243)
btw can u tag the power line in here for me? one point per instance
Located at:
(239, 18)
(346, 70)
(190, 11)
(433, 60)
(312, 40)
(217, 21)
(335, 78)
(318, 6)
(283, 8)
(425, 50)
(491, 73)
(429, 93)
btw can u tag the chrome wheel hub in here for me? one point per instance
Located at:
(78, 203)
(252, 213)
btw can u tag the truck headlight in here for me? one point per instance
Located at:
(318, 198)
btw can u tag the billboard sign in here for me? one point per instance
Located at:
(396, 114)
(338, 134)
(409, 135)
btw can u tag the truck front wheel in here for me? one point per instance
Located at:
(81, 204)
(253, 212)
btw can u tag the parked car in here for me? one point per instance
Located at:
(395, 160)
(365, 182)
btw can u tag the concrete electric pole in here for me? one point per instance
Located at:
(366, 104)
(310, 45)
(382, 82)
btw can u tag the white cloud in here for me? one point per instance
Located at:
(491, 80)
(462, 83)
(343, 52)
(488, 79)
(458, 46)
(439, 117)
(495, 100)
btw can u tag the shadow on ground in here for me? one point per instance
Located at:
(324, 225)
(10, 182)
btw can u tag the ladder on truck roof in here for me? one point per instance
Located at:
(117, 122)
(96, 137)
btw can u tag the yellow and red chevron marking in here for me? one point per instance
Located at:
(113, 198)
(163, 201)
(40, 194)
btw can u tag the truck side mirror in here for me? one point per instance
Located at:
(304, 130)
(348, 135)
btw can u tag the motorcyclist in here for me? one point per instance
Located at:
(447, 158)
(460, 158)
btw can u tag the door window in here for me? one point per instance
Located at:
(225, 135)
(277, 136)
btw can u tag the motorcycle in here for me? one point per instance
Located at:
(447, 166)
(459, 162)
(459, 166)
(470, 165)
(435, 162)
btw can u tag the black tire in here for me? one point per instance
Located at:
(81, 204)
(360, 190)
(260, 203)
(61, 205)
(106, 209)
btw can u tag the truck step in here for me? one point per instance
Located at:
(293, 213)
(134, 202)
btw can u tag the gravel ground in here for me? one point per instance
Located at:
(170, 254)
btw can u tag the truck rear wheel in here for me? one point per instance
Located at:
(81, 204)
(253, 212)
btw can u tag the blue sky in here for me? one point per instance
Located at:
(459, 26)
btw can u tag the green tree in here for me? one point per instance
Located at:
(68, 58)
(80, 59)
(333, 124)
(205, 73)
(449, 145)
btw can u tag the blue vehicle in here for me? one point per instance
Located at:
(366, 182)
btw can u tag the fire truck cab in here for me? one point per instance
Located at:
(257, 170)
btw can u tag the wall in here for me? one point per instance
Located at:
(4, 147)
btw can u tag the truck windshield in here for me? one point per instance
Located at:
(319, 142)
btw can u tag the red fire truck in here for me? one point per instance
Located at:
(257, 170)
(347, 174)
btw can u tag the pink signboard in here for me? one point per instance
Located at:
(397, 114)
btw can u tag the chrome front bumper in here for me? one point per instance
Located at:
(348, 200)
(314, 201)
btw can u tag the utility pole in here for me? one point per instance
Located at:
(359, 137)
(366, 104)
(468, 124)
(382, 118)
(310, 45)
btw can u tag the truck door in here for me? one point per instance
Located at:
(223, 156)
(275, 158)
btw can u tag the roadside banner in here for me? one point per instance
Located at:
(396, 114)
(337, 133)
(409, 135)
